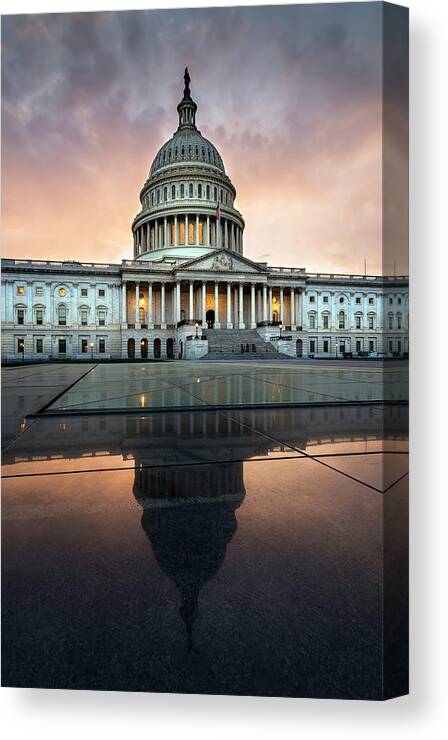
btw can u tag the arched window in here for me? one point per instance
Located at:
(165, 193)
(197, 151)
(215, 193)
(158, 196)
(390, 321)
(341, 299)
(208, 192)
(399, 321)
(341, 320)
(183, 151)
(62, 316)
(182, 191)
(190, 190)
(199, 190)
(221, 195)
(173, 192)
(175, 152)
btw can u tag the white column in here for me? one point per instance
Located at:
(281, 305)
(156, 234)
(208, 231)
(229, 306)
(148, 237)
(204, 304)
(176, 235)
(162, 306)
(233, 245)
(300, 307)
(241, 307)
(124, 318)
(186, 230)
(217, 324)
(165, 233)
(293, 312)
(150, 319)
(270, 305)
(259, 308)
(235, 307)
(197, 230)
(253, 322)
(265, 301)
(226, 234)
(190, 302)
(137, 299)
(177, 303)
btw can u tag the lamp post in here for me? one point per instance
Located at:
(280, 327)
(197, 326)
(91, 349)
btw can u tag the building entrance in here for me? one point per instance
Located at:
(210, 318)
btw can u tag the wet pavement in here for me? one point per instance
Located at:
(237, 551)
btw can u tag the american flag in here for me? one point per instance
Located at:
(218, 211)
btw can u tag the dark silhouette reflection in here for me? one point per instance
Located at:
(189, 519)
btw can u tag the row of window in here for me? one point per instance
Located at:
(358, 300)
(62, 292)
(162, 195)
(85, 346)
(174, 153)
(62, 314)
(341, 346)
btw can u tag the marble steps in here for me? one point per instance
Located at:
(225, 344)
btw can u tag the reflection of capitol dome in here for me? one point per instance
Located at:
(189, 518)
(179, 200)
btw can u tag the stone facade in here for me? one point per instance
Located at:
(189, 273)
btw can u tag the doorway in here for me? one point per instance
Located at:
(170, 348)
(144, 348)
(157, 348)
(131, 349)
(210, 318)
(299, 348)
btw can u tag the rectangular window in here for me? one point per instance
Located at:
(371, 345)
(20, 316)
(390, 322)
(20, 346)
(62, 346)
(325, 318)
(312, 322)
(39, 290)
(39, 316)
(399, 301)
(84, 292)
(358, 345)
(101, 318)
(83, 318)
(84, 346)
(101, 345)
(39, 346)
(399, 347)
(20, 290)
(371, 300)
(325, 345)
(62, 317)
(357, 322)
(358, 299)
(325, 299)
(101, 292)
(399, 322)
(391, 300)
(370, 322)
(312, 346)
(312, 299)
(391, 346)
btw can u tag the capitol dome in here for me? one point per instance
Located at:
(187, 202)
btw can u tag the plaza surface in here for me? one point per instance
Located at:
(209, 528)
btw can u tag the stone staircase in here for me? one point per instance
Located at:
(225, 344)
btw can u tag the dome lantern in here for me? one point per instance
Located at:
(187, 107)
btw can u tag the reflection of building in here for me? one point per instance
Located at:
(189, 518)
(188, 269)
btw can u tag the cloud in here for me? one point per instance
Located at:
(290, 95)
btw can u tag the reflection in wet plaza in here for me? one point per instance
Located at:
(212, 551)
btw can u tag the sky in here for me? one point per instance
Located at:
(290, 95)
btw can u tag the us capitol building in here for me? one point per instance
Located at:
(189, 291)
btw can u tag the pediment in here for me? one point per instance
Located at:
(223, 261)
